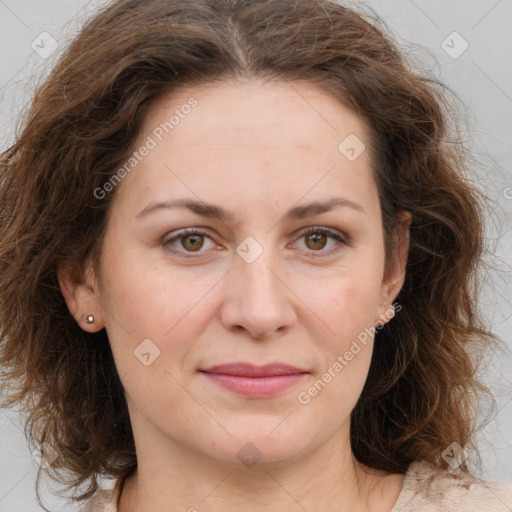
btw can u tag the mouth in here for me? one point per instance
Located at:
(255, 381)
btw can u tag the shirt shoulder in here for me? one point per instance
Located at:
(103, 501)
(427, 488)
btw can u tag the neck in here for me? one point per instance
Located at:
(188, 481)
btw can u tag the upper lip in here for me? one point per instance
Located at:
(251, 370)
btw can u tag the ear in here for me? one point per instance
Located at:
(394, 275)
(78, 286)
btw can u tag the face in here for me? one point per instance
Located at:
(250, 234)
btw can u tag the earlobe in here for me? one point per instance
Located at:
(387, 312)
(395, 271)
(80, 296)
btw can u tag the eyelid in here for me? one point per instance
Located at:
(340, 237)
(323, 229)
(180, 233)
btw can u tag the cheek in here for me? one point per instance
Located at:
(145, 300)
(348, 303)
(350, 309)
(139, 294)
(356, 302)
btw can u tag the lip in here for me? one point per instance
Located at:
(255, 381)
(240, 369)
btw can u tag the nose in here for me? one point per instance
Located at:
(258, 299)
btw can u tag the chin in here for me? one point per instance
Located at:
(263, 442)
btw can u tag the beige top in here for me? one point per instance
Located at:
(425, 488)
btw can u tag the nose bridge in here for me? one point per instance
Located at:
(259, 301)
(259, 279)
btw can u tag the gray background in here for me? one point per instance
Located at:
(481, 77)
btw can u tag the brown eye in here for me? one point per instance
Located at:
(316, 241)
(192, 242)
(321, 241)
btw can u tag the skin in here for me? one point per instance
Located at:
(257, 149)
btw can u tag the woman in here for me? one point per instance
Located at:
(238, 267)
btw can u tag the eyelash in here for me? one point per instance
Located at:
(341, 239)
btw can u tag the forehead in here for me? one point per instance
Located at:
(274, 141)
(253, 112)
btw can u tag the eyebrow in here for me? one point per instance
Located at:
(217, 212)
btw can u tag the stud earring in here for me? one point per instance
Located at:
(89, 319)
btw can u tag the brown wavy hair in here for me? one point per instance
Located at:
(422, 390)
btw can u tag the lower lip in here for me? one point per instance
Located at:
(256, 387)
